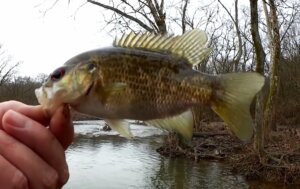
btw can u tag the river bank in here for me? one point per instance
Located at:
(215, 142)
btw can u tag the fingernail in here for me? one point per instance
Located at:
(15, 119)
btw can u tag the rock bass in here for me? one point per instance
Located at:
(151, 78)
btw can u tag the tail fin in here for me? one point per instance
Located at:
(233, 105)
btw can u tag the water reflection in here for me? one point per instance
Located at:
(99, 159)
(179, 173)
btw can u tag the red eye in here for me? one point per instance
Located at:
(58, 74)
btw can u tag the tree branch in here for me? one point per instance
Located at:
(238, 32)
(139, 22)
(158, 17)
(183, 20)
(291, 22)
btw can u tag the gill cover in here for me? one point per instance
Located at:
(65, 85)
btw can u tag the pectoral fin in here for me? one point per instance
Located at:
(111, 89)
(115, 87)
(121, 127)
(182, 124)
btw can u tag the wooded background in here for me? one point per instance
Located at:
(261, 36)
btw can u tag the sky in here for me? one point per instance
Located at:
(43, 38)
(44, 41)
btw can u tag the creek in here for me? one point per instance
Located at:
(100, 159)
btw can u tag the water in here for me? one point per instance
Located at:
(99, 159)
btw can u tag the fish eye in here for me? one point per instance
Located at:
(91, 67)
(58, 74)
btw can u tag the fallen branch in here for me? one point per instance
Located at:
(210, 134)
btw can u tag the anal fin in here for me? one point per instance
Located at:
(121, 126)
(182, 124)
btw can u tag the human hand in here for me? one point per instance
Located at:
(31, 155)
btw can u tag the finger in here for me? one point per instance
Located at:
(10, 176)
(62, 127)
(39, 139)
(39, 174)
(34, 112)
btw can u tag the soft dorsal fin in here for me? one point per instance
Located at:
(192, 45)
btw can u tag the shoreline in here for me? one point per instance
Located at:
(281, 164)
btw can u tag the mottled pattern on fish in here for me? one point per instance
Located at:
(157, 85)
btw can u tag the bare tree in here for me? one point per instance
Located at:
(275, 49)
(148, 14)
(260, 62)
(289, 23)
(21, 89)
(7, 67)
(235, 20)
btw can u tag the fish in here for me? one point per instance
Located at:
(150, 77)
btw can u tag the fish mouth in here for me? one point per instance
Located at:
(88, 91)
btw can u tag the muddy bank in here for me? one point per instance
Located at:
(215, 141)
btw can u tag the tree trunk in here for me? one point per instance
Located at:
(270, 110)
(260, 59)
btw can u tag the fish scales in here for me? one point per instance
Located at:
(155, 83)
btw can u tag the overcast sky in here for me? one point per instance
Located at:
(44, 42)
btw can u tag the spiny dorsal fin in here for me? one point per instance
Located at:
(192, 45)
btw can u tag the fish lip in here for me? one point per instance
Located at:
(88, 91)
